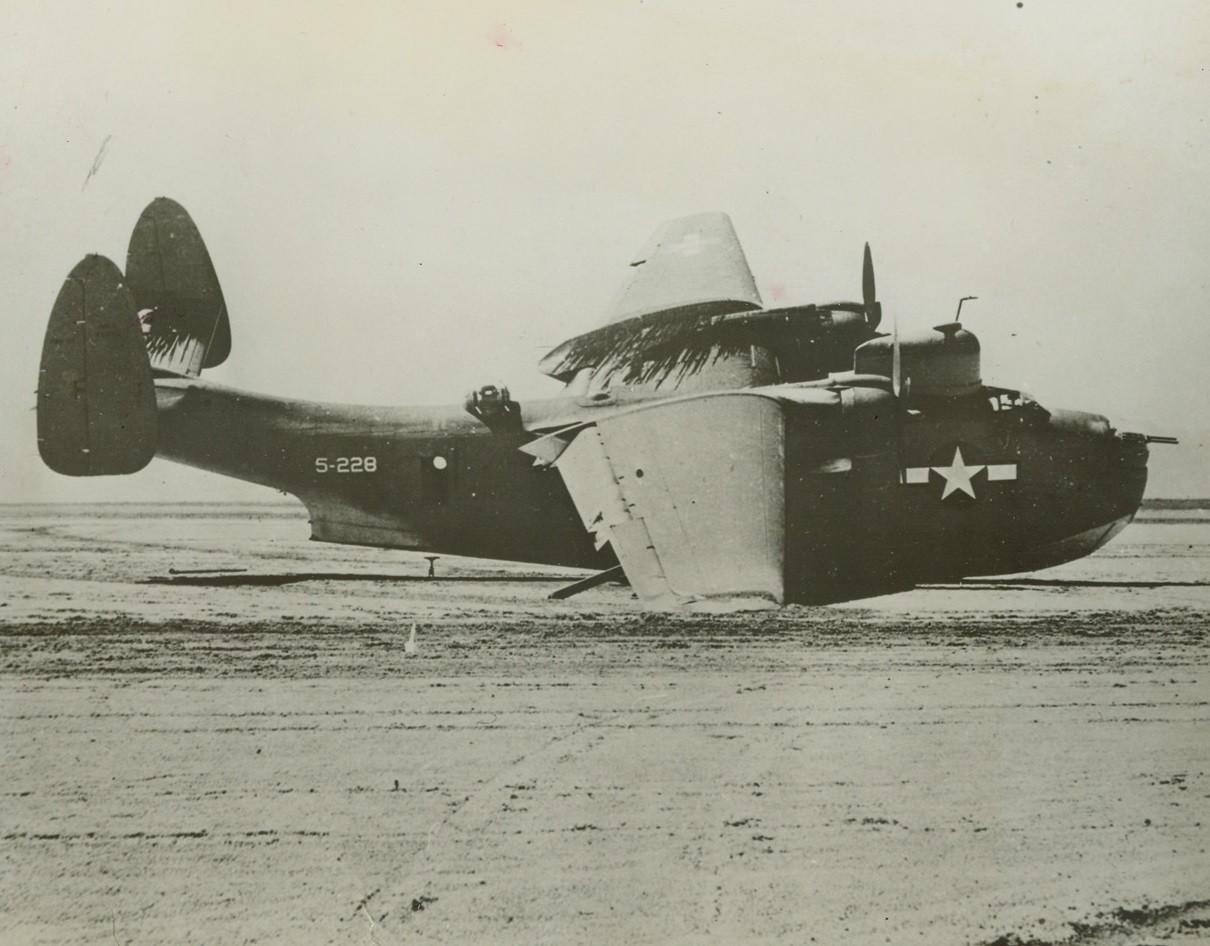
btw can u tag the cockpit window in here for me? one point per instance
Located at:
(1003, 400)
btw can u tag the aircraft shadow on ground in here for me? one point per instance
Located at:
(230, 580)
(988, 583)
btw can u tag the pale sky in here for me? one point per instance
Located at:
(407, 200)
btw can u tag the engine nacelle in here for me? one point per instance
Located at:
(943, 362)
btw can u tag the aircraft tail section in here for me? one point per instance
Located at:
(111, 334)
(96, 398)
(176, 291)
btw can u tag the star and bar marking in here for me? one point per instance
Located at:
(959, 475)
(691, 244)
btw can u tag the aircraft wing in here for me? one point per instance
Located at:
(695, 518)
(691, 262)
(691, 269)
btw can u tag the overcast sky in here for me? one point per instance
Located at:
(407, 200)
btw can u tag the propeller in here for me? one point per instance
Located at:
(873, 310)
(869, 294)
(873, 314)
(896, 362)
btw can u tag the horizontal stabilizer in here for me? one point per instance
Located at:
(176, 291)
(96, 399)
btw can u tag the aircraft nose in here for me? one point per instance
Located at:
(1095, 434)
(1132, 450)
(1108, 469)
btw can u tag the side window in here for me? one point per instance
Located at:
(436, 475)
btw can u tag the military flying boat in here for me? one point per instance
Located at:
(715, 453)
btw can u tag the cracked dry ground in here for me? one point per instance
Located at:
(260, 761)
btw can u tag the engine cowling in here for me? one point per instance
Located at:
(942, 362)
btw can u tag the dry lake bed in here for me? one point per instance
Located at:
(212, 733)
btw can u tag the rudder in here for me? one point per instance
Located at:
(176, 291)
(96, 397)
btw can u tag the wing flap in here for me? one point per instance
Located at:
(599, 499)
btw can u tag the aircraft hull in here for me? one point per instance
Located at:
(431, 479)
(865, 504)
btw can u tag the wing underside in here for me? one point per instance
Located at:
(696, 520)
(736, 500)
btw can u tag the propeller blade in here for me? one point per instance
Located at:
(869, 293)
(896, 365)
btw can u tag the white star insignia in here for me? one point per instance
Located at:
(691, 244)
(958, 475)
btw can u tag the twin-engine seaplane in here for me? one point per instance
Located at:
(713, 453)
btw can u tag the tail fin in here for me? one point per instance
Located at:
(179, 300)
(96, 398)
(108, 333)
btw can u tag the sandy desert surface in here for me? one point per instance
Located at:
(212, 733)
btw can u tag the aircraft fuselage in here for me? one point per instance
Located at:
(876, 500)
(724, 455)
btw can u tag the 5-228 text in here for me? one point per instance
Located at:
(346, 464)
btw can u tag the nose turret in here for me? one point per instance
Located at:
(1132, 449)
(1102, 468)
(1095, 483)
